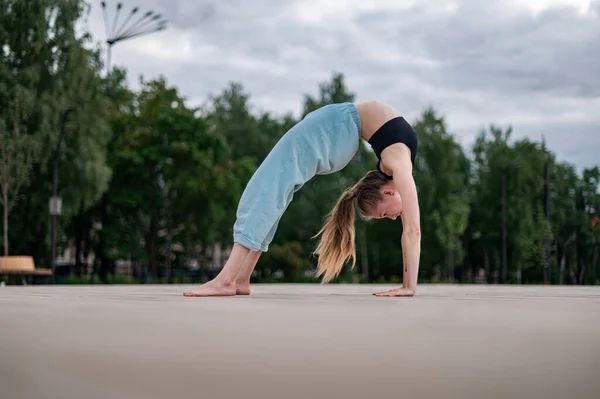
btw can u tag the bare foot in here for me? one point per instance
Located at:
(402, 291)
(213, 288)
(242, 289)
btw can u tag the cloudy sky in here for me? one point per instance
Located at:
(533, 64)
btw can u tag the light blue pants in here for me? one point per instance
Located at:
(324, 142)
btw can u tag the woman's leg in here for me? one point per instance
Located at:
(242, 283)
(243, 279)
(289, 165)
(261, 205)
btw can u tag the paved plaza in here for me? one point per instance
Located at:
(300, 341)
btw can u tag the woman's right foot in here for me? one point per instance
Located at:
(213, 288)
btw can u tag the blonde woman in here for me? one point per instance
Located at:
(324, 142)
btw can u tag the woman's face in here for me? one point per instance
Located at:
(391, 204)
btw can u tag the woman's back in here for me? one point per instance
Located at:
(373, 114)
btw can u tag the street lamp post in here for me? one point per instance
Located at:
(148, 23)
(55, 204)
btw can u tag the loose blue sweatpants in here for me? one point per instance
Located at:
(324, 142)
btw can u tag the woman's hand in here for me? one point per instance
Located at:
(402, 291)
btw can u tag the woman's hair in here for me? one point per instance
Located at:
(337, 233)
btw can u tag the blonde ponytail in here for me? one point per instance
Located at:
(337, 234)
(337, 238)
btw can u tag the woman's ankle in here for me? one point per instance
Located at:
(225, 280)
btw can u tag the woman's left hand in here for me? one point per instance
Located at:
(402, 291)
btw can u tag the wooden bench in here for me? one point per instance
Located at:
(22, 266)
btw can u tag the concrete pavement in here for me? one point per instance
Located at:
(300, 341)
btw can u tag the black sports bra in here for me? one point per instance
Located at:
(396, 130)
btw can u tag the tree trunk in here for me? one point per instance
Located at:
(593, 267)
(503, 270)
(583, 258)
(498, 268)
(169, 248)
(78, 265)
(452, 246)
(582, 274)
(564, 257)
(151, 243)
(86, 245)
(595, 264)
(5, 207)
(448, 266)
(79, 227)
(576, 261)
(561, 274)
(101, 252)
(135, 267)
(486, 266)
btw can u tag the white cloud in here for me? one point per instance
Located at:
(319, 11)
(168, 47)
(538, 6)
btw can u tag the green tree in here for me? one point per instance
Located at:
(495, 164)
(175, 182)
(563, 215)
(574, 201)
(82, 228)
(586, 257)
(17, 155)
(508, 229)
(53, 68)
(442, 173)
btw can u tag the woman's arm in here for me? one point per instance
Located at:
(398, 162)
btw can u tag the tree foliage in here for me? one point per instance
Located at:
(46, 68)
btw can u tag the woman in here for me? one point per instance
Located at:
(324, 142)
